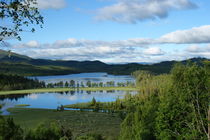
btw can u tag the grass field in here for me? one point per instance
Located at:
(65, 89)
(81, 123)
(22, 105)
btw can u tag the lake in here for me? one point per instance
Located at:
(53, 100)
(84, 77)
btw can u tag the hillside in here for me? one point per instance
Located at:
(24, 65)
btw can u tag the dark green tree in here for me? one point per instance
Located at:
(72, 83)
(52, 132)
(9, 130)
(88, 84)
(66, 84)
(93, 102)
(82, 84)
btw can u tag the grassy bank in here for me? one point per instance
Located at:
(65, 89)
(89, 105)
(80, 122)
(22, 105)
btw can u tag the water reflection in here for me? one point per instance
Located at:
(52, 100)
(12, 97)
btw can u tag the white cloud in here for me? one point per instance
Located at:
(132, 11)
(32, 43)
(195, 50)
(131, 50)
(51, 4)
(153, 51)
(195, 35)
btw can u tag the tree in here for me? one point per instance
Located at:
(52, 132)
(9, 130)
(78, 85)
(101, 84)
(82, 84)
(183, 111)
(72, 83)
(19, 13)
(88, 84)
(174, 107)
(60, 84)
(93, 102)
(66, 84)
(140, 125)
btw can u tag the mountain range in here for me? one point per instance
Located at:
(23, 65)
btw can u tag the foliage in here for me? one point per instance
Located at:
(80, 122)
(139, 124)
(9, 130)
(168, 106)
(183, 111)
(51, 132)
(90, 136)
(21, 13)
(14, 82)
(93, 102)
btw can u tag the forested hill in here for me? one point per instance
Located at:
(24, 65)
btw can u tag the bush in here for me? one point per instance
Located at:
(9, 130)
(91, 136)
(51, 132)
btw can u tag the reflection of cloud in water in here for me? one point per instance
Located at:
(77, 97)
(85, 97)
(72, 98)
(68, 97)
(33, 96)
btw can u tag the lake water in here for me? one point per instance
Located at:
(53, 100)
(84, 77)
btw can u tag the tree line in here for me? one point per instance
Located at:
(15, 82)
(76, 84)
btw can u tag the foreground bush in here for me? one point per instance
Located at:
(10, 131)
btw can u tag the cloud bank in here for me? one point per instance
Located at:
(131, 50)
(132, 11)
(195, 35)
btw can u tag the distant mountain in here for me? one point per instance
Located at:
(24, 65)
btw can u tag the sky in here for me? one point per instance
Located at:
(119, 31)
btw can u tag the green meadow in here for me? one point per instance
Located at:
(81, 123)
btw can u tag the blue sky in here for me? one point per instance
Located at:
(119, 31)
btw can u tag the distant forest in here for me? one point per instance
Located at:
(26, 66)
(14, 82)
